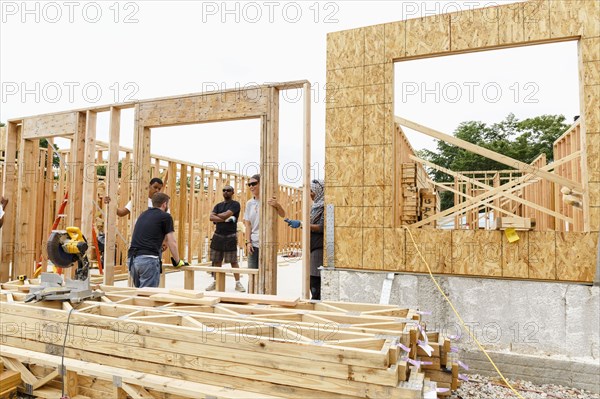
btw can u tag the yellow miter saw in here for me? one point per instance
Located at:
(65, 249)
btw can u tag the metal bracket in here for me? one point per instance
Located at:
(386, 289)
(329, 235)
(117, 381)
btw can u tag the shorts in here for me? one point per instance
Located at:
(225, 257)
(253, 259)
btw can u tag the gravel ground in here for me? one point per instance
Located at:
(480, 387)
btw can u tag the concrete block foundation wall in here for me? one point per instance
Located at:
(536, 331)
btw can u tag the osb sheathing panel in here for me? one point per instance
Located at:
(373, 216)
(374, 44)
(428, 35)
(349, 216)
(344, 78)
(374, 124)
(344, 196)
(480, 25)
(516, 24)
(477, 252)
(592, 108)
(50, 125)
(373, 248)
(591, 73)
(218, 106)
(395, 40)
(574, 18)
(590, 49)
(594, 190)
(436, 248)
(515, 256)
(576, 255)
(345, 49)
(542, 255)
(536, 20)
(394, 249)
(374, 195)
(345, 126)
(374, 165)
(511, 24)
(344, 166)
(348, 247)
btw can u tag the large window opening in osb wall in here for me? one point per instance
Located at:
(516, 102)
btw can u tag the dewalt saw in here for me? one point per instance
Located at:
(67, 248)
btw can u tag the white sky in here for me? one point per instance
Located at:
(169, 48)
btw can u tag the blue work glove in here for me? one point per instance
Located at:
(294, 224)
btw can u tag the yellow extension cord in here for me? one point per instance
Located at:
(460, 318)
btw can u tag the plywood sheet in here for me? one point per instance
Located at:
(344, 166)
(576, 256)
(591, 108)
(373, 216)
(375, 74)
(393, 249)
(50, 125)
(374, 124)
(436, 248)
(594, 192)
(542, 255)
(510, 25)
(345, 49)
(592, 142)
(428, 35)
(595, 217)
(348, 247)
(344, 126)
(477, 253)
(536, 20)
(474, 29)
(591, 73)
(373, 248)
(388, 165)
(374, 94)
(395, 40)
(342, 98)
(590, 48)
(374, 165)
(374, 44)
(344, 196)
(515, 256)
(574, 18)
(347, 77)
(374, 195)
(348, 216)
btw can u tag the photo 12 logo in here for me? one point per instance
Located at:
(270, 11)
(71, 92)
(54, 12)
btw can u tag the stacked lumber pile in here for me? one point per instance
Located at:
(429, 205)
(410, 193)
(9, 381)
(517, 223)
(183, 343)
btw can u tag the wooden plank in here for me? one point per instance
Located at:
(112, 187)
(88, 207)
(306, 201)
(490, 154)
(60, 124)
(10, 182)
(180, 299)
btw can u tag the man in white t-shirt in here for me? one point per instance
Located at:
(155, 186)
(252, 220)
(3, 203)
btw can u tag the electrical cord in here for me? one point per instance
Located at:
(460, 318)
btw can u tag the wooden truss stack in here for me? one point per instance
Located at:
(182, 343)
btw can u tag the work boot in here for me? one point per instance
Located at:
(239, 287)
(211, 287)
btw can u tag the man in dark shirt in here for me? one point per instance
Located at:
(151, 229)
(223, 246)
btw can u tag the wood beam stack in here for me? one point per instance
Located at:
(238, 345)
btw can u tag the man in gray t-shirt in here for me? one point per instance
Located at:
(252, 220)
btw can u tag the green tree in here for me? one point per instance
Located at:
(522, 140)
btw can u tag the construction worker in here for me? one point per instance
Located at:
(155, 186)
(153, 227)
(3, 203)
(252, 219)
(317, 220)
(223, 246)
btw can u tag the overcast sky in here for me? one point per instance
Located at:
(56, 56)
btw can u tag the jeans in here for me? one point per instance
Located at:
(145, 271)
(253, 259)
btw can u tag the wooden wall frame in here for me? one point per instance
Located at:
(360, 138)
(260, 102)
